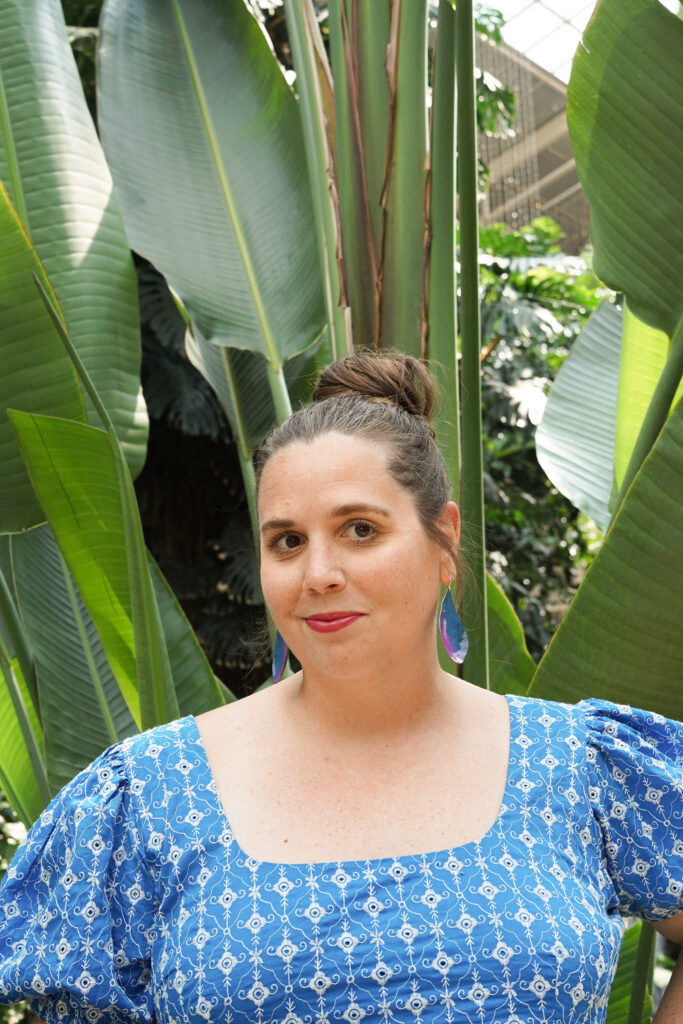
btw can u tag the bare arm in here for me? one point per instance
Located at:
(671, 1007)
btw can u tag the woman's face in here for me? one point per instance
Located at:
(348, 572)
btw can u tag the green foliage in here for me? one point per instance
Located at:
(534, 302)
(197, 523)
(11, 833)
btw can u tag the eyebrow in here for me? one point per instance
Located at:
(338, 512)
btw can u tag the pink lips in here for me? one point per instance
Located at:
(330, 622)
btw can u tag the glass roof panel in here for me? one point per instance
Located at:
(568, 8)
(555, 50)
(546, 31)
(530, 26)
(509, 8)
(537, 28)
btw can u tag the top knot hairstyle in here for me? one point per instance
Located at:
(383, 398)
(396, 379)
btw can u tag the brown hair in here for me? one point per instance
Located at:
(381, 397)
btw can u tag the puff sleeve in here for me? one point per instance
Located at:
(635, 768)
(77, 905)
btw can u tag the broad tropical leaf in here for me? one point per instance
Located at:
(67, 699)
(626, 121)
(575, 438)
(17, 776)
(83, 484)
(644, 352)
(70, 466)
(196, 687)
(620, 993)
(53, 166)
(204, 140)
(511, 667)
(239, 378)
(620, 639)
(37, 375)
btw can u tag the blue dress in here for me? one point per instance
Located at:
(131, 900)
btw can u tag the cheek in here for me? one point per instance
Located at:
(279, 586)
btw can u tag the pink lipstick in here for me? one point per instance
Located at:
(330, 622)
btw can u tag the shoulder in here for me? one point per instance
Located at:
(233, 729)
(603, 726)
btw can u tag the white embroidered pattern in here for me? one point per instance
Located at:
(131, 900)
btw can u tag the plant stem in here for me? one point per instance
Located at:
(472, 493)
(358, 239)
(402, 245)
(314, 87)
(278, 389)
(441, 301)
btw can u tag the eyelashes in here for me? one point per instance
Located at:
(279, 542)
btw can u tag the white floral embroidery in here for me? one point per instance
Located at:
(522, 927)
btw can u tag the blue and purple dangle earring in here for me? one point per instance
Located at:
(280, 652)
(452, 631)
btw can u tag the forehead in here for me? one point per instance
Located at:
(332, 469)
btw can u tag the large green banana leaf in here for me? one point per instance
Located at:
(511, 667)
(53, 166)
(18, 778)
(596, 408)
(50, 614)
(644, 352)
(240, 381)
(70, 466)
(622, 986)
(626, 123)
(68, 699)
(621, 637)
(575, 438)
(203, 137)
(76, 476)
(37, 375)
(196, 687)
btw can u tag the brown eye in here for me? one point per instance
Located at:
(287, 542)
(362, 531)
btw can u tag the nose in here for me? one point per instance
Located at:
(322, 570)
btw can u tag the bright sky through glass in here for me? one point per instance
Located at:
(548, 31)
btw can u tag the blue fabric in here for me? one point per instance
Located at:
(131, 900)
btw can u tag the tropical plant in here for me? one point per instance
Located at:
(119, 656)
(535, 300)
(355, 245)
(196, 523)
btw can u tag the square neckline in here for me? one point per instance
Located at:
(365, 862)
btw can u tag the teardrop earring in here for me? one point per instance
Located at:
(453, 633)
(280, 652)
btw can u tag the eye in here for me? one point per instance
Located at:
(362, 530)
(285, 542)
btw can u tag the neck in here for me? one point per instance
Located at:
(400, 699)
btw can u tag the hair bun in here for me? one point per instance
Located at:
(395, 378)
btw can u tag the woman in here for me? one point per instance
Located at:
(371, 839)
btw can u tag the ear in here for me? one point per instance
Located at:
(449, 525)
